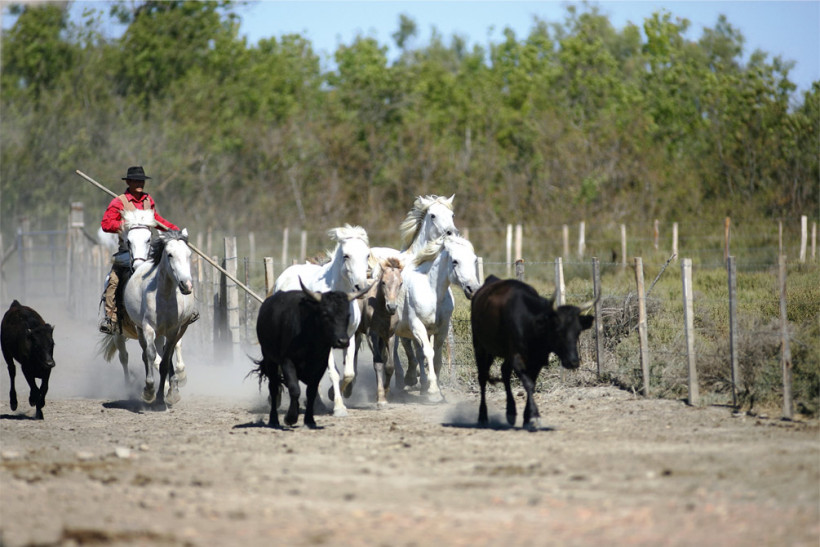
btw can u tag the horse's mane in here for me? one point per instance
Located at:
(392, 262)
(433, 248)
(410, 226)
(138, 217)
(348, 232)
(158, 245)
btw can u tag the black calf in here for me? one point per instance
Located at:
(25, 337)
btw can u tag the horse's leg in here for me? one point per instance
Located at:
(411, 377)
(171, 345)
(376, 347)
(122, 352)
(147, 339)
(426, 355)
(390, 365)
(398, 369)
(349, 354)
(335, 391)
(438, 346)
(179, 365)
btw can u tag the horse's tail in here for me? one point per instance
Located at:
(107, 347)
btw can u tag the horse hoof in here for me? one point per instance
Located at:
(330, 392)
(340, 412)
(173, 397)
(381, 405)
(436, 397)
(348, 390)
(148, 396)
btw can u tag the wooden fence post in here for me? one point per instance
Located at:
(582, 245)
(644, 340)
(565, 238)
(246, 297)
(480, 269)
(599, 327)
(218, 308)
(657, 233)
(519, 242)
(804, 236)
(779, 237)
(269, 278)
(733, 333)
(519, 269)
(786, 354)
(675, 239)
(726, 237)
(285, 247)
(303, 246)
(623, 246)
(509, 248)
(232, 293)
(689, 322)
(559, 282)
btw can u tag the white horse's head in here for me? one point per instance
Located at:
(351, 255)
(458, 257)
(172, 247)
(136, 231)
(430, 218)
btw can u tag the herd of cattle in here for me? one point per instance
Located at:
(383, 295)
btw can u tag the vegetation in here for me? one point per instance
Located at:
(576, 119)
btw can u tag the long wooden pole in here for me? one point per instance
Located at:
(191, 245)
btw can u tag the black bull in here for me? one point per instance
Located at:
(296, 331)
(25, 337)
(512, 321)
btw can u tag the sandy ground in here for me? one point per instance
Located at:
(606, 468)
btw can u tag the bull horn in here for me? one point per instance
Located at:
(588, 305)
(317, 296)
(354, 295)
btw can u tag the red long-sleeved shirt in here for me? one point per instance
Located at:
(112, 218)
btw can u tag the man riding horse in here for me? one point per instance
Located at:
(134, 197)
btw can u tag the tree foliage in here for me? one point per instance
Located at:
(575, 118)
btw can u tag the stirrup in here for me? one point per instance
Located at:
(108, 326)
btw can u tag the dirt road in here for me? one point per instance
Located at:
(607, 468)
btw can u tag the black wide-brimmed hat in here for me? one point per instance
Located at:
(135, 173)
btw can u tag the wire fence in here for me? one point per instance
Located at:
(616, 358)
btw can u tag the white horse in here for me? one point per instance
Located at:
(347, 272)
(159, 300)
(136, 233)
(425, 303)
(430, 218)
